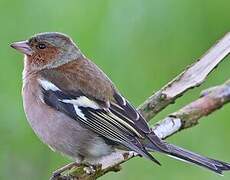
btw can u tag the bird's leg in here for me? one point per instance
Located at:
(87, 167)
(69, 166)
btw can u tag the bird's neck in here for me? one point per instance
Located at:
(28, 71)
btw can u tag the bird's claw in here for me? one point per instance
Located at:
(89, 169)
(57, 173)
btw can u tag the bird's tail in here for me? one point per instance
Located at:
(190, 157)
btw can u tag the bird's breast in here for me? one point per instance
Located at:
(59, 131)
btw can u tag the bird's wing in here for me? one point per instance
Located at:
(117, 122)
(82, 91)
(123, 109)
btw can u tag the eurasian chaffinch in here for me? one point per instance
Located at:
(75, 109)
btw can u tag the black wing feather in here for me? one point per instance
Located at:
(127, 110)
(98, 120)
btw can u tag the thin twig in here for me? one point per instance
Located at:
(188, 116)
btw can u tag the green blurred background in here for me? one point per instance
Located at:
(141, 45)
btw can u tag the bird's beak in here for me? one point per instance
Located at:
(23, 47)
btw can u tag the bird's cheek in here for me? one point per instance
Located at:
(36, 60)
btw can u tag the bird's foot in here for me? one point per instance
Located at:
(89, 168)
(56, 174)
(64, 173)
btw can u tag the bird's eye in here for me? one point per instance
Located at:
(41, 46)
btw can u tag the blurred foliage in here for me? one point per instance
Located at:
(141, 45)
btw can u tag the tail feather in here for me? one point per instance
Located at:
(188, 156)
(214, 165)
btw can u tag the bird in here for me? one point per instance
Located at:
(74, 108)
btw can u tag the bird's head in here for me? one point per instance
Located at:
(48, 50)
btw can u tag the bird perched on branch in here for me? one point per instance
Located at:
(75, 109)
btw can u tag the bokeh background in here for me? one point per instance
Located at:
(141, 45)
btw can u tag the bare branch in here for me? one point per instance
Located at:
(210, 100)
(188, 116)
(192, 77)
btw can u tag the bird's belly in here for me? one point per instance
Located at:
(62, 133)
